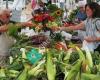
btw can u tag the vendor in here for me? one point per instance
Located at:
(91, 25)
(4, 40)
(81, 15)
(62, 2)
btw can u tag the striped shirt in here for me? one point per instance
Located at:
(92, 26)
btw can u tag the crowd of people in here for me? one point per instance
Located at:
(88, 15)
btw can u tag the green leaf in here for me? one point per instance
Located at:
(13, 30)
(50, 67)
(74, 71)
(23, 75)
(2, 73)
(86, 76)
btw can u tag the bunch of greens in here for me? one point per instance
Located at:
(13, 30)
(54, 65)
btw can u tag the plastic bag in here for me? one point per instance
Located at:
(66, 35)
(5, 42)
(88, 45)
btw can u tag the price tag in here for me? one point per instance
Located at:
(34, 56)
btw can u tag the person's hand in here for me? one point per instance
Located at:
(60, 29)
(89, 39)
(26, 24)
(55, 28)
(3, 28)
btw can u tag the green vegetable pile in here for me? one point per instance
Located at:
(54, 65)
(26, 62)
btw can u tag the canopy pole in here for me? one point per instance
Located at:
(7, 4)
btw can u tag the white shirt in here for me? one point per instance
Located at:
(44, 1)
(61, 0)
(19, 4)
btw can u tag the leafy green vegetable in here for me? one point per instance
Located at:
(50, 67)
(74, 71)
(52, 7)
(13, 30)
(23, 75)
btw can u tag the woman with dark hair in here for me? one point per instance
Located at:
(91, 26)
(95, 9)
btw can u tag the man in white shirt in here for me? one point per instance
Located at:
(62, 3)
(5, 41)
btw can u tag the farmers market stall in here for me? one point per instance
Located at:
(43, 54)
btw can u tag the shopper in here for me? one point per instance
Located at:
(91, 25)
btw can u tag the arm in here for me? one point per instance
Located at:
(97, 38)
(76, 27)
(98, 29)
(26, 24)
(3, 28)
(91, 39)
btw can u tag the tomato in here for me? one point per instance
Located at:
(66, 24)
(60, 46)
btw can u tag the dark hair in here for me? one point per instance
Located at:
(95, 7)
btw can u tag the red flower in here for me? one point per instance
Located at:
(41, 17)
(38, 18)
(51, 18)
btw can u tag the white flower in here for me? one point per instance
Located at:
(28, 32)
